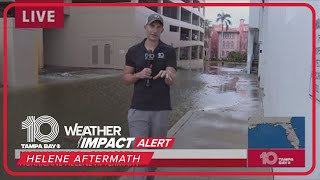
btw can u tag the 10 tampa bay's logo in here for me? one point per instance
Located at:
(33, 127)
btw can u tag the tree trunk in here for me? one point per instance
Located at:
(221, 41)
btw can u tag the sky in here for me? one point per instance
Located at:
(236, 13)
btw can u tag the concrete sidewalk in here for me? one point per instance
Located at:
(221, 128)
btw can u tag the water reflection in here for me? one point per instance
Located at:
(105, 101)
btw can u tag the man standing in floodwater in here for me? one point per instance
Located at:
(151, 66)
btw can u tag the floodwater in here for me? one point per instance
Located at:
(105, 101)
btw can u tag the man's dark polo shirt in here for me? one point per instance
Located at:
(156, 97)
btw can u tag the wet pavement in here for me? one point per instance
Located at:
(102, 99)
(222, 125)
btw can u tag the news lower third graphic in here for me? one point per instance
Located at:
(39, 151)
(276, 142)
(272, 142)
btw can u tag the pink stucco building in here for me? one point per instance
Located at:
(235, 39)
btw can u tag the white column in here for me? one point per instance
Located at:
(160, 8)
(250, 50)
(179, 13)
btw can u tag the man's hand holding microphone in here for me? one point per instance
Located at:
(144, 74)
(168, 73)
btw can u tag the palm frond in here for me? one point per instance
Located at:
(227, 25)
(228, 21)
(227, 15)
(219, 16)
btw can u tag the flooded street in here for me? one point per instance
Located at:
(105, 101)
(102, 101)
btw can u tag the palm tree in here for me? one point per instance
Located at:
(223, 18)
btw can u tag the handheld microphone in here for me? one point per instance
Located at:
(149, 57)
